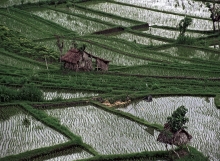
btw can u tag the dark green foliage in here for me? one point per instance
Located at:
(184, 23)
(187, 40)
(26, 122)
(68, 4)
(182, 39)
(14, 42)
(22, 2)
(178, 119)
(30, 92)
(81, 47)
(7, 94)
(217, 101)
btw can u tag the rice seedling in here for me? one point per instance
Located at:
(21, 132)
(156, 18)
(107, 133)
(25, 30)
(7, 60)
(203, 119)
(193, 8)
(166, 71)
(81, 26)
(192, 53)
(169, 33)
(38, 23)
(139, 39)
(50, 95)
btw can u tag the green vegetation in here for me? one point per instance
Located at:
(14, 42)
(28, 92)
(217, 101)
(178, 119)
(147, 57)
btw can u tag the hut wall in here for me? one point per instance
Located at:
(101, 65)
(85, 63)
(71, 66)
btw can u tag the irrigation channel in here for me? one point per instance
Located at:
(50, 111)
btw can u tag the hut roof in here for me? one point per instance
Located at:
(177, 138)
(72, 56)
(104, 60)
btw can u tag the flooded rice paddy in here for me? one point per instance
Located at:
(155, 18)
(21, 132)
(7, 3)
(107, 133)
(50, 95)
(189, 7)
(204, 119)
(74, 23)
(103, 18)
(72, 157)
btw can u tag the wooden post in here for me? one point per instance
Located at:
(46, 61)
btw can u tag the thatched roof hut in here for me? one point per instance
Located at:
(80, 60)
(178, 138)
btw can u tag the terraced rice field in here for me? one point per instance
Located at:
(81, 26)
(139, 39)
(203, 123)
(192, 53)
(107, 133)
(156, 18)
(17, 136)
(7, 60)
(170, 33)
(193, 8)
(101, 17)
(7, 3)
(71, 122)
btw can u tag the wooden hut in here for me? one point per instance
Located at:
(82, 61)
(102, 64)
(178, 138)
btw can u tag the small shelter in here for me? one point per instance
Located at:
(179, 138)
(78, 60)
(101, 64)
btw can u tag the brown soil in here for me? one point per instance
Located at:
(117, 103)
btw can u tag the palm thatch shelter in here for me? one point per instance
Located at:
(178, 138)
(78, 60)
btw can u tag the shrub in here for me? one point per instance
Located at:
(30, 92)
(7, 94)
(178, 119)
(188, 40)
